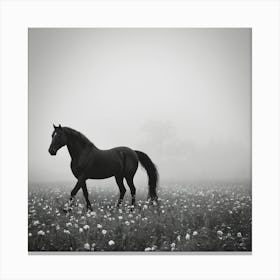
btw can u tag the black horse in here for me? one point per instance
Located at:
(89, 162)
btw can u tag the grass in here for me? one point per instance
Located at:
(187, 218)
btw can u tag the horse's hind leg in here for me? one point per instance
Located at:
(130, 183)
(121, 186)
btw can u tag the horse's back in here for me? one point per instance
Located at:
(124, 149)
(118, 161)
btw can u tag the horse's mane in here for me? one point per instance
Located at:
(76, 134)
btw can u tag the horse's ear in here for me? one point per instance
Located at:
(59, 127)
(54, 126)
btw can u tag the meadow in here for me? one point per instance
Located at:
(188, 217)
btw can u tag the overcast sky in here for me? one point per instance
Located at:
(183, 96)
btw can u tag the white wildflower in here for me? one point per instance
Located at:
(86, 227)
(188, 236)
(154, 247)
(36, 223)
(87, 246)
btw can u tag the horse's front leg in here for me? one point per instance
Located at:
(73, 193)
(85, 192)
(76, 189)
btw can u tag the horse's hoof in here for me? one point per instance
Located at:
(67, 210)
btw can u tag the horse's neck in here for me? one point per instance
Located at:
(76, 147)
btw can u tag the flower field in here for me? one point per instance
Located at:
(187, 218)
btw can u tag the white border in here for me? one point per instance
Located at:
(262, 16)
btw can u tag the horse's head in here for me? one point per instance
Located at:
(59, 140)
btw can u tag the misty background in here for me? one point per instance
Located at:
(183, 96)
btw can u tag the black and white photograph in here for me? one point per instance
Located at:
(139, 140)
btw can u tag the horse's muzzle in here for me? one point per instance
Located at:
(52, 151)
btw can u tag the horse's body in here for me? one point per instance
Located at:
(89, 162)
(100, 164)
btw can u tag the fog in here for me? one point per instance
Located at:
(183, 96)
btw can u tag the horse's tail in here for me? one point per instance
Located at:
(152, 173)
